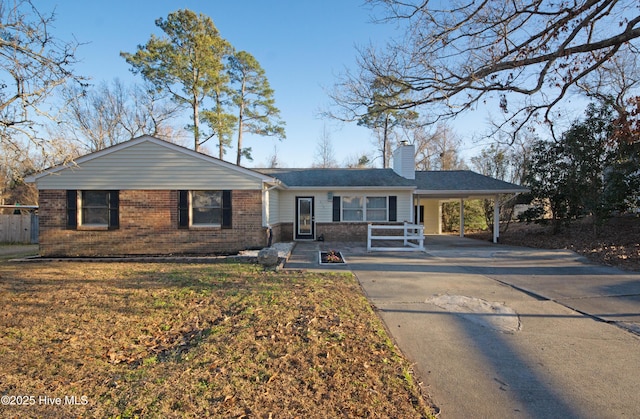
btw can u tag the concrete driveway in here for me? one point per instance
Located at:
(498, 331)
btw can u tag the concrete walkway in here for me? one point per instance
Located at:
(498, 331)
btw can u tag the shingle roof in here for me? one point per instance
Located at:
(462, 181)
(334, 178)
(443, 182)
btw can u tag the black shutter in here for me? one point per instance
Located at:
(72, 209)
(183, 209)
(393, 208)
(336, 208)
(114, 210)
(418, 210)
(226, 209)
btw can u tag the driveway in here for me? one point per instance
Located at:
(498, 331)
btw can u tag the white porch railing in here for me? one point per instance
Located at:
(412, 237)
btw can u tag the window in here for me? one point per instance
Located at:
(370, 208)
(206, 208)
(352, 208)
(377, 208)
(93, 209)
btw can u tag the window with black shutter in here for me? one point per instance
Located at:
(72, 209)
(393, 208)
(91, 208)
(204, 208)
(365, 208)
(336, 208)
(226, 209)
(114, 210)
(183, 209)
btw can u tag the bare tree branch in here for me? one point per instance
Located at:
(33, 65)
(112, 113)
(461, 54)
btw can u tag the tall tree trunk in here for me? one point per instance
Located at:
(240, 122)
(240, 129)
(196, 125)
(220, 126)
(239, 156)
(220, 142)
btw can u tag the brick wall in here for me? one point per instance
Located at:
(342, 232)
(277, 233)
(149, 226)
(338, 232)
(286, 232)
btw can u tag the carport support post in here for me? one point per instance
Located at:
(496, 218)
(461, 217)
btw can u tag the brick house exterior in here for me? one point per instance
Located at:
(150, 197)
(148, 224)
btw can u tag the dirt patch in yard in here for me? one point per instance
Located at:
(618, 243)
(188, 340)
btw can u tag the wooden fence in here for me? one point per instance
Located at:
(19, 228)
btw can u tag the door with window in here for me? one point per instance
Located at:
(305, 224)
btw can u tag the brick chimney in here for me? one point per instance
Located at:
(404, 162)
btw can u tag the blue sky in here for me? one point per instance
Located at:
(301, 44)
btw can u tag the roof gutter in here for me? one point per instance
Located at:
(468, 193)
(351, 188)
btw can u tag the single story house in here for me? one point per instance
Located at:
(147, 196)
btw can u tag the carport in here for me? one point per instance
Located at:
(435, 187)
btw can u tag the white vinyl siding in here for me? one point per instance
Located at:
(273, 208)
(287, 205)
(324, 205)
(150, 166)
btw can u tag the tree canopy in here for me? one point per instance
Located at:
(462, 54)
(187, 61)
(377, 109)
(585, 172)
(254, 99)
(200, 68)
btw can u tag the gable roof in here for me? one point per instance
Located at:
(148, 163)
(452, 183)
(456, 182)
(150, 139)
(340, 178)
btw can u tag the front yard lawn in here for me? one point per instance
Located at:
(188, 340)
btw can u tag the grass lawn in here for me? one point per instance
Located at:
(187, 340)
